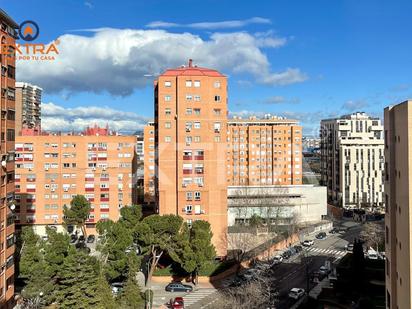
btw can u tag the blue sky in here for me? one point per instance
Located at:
(303, 59)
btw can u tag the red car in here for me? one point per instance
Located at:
(177, 303)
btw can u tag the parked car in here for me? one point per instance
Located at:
(82, 246)
(334, 230)
(308, 243)
(177, 303)
(73, 238)
(349, 247)
(323, 270)
(277, 260)
(178, 287)
(296, 293)
(286, 255)
(91, 239)
(117, 287)
(321, 235)
(82, 238)
(298, 248)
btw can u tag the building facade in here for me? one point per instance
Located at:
(8, 35)
(190, 135)
(149, 162)
(264, 151)
(398, 188)
(28, 101)
(352, 160)
(277, 205)
(51, 169)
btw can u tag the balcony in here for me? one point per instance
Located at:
(104, 209)
(187, 157)
(199, 157)
(89, 179)
(104, 189)
(104, 199)
(89, 189)
(199, 170)
(187, 171)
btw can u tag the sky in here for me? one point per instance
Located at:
(306, 60)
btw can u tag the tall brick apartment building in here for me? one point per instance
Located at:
(51, 169)
(190, 134)
(7, 100)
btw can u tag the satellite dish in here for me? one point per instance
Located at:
(12, 207)
(3, 163)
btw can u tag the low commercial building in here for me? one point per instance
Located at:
(283, 205)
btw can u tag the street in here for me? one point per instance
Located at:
(292, 273)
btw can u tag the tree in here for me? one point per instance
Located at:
(116, 239)
(159, 235)
(77, 213)
(258, 293)
(118, 247)
(200, 249)
(131, 295)
(78, 282)
(373, 235)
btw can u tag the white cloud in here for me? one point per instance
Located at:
(228, 24)
(357, 105)
(89, 4)
(277, 99)
(117, 60)
(59, 118)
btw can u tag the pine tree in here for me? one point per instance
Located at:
(78, 281)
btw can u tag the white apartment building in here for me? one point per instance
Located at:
(352, 160)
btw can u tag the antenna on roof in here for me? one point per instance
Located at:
(190, 63)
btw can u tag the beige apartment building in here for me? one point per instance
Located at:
(51, 169)
(398, 188)
(190, 153)
(264, 151)
(352, 160)
(28, 101)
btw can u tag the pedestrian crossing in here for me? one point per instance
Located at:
(327, 251)
(192, 298)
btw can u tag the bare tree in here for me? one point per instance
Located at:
(258, 293)
(373, 234)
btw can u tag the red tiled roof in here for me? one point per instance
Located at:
(191, 71)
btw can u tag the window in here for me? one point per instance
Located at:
(197, 111)
(197, 98)
(188, 140)
(197, 195)
(189, 196)
(188, 209)
(216, 127)
(216, 84)
(188, 83)
(217, 111)
(168, 111)
(217, 139)
(188, 111)
(189, 97)
(197, 139)
(168, 125)
(168, 98)
(11, 114)
(10, 135)
(168, 139)
(197, 83)
(168, 83)
(197, 125)
(217, 98)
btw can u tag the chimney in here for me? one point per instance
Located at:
(190, 63)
